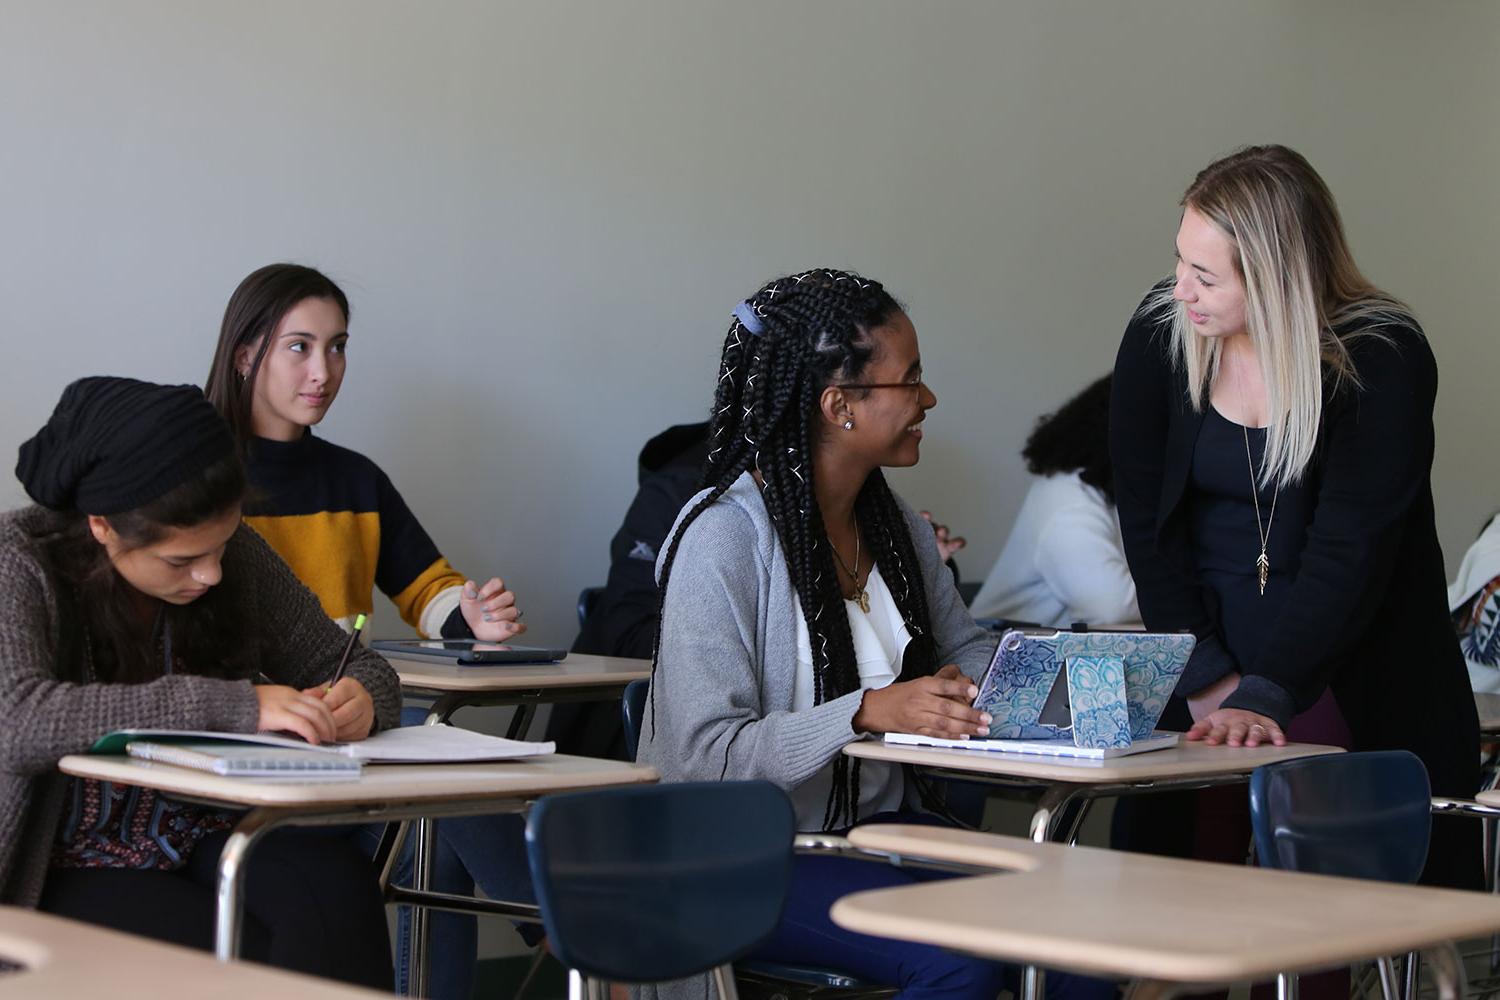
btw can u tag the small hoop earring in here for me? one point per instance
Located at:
(848, 425)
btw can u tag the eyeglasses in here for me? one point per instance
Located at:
(915, 383)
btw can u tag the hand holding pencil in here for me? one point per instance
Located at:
(352, 708)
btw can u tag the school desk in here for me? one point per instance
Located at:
(68, 960)
(579, 677)
(1062, 780)
(383, 793)
(1170, 924)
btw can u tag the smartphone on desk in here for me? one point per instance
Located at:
(469, 652)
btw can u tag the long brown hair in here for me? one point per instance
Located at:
(211, 636)
(256, 307)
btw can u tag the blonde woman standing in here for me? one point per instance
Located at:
(1272, 440)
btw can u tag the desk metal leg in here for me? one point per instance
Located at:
(1447, 971)
(423, 852)
(1286, 986)
(1044, 821)
(1048, 810)
(520, 723)
(228, 911)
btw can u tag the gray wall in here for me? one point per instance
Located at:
(544, 212)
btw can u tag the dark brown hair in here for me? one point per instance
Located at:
(210, 636)
(257, 305)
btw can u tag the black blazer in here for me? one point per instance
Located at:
(1368, 610)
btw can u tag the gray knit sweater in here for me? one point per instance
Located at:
(45, 718)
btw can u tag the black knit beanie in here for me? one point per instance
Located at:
(116, 444)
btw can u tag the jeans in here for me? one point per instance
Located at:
(487, 851)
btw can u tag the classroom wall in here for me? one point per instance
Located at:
(543, 213)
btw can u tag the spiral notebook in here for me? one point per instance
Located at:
(240, 761)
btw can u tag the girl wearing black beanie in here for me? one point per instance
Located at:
(132, 597)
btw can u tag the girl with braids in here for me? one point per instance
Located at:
(132, 597)
(803, 604)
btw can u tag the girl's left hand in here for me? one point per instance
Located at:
(491, 611)
(1237, 727)
(352, 707)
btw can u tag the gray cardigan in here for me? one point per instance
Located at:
(721, 705)
(47, 718)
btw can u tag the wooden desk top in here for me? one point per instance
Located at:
(380, 784)
(1490, 798)
(578, 670)
(1089, 910)
(1186, 760)
(68, 960)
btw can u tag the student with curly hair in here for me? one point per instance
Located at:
(1064, 561)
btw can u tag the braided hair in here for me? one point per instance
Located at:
(814, 329)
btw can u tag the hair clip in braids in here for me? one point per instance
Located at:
(745, 313)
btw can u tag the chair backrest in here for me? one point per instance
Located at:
(1359, 815)
(587, 598)
(632, 711)
(654, 882)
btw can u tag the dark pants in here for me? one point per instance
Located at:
(806, 936)
(312, 904)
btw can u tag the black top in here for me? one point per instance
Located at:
(1223, 525)
(1364, 608)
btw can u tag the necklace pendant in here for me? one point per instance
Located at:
(1263, 571)
(862, 598)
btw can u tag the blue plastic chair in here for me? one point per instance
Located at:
(1356, 815)
(656, 882)
(588, 597)
(632, 711)
(775, 979)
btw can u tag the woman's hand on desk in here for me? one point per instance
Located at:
(1207, 701)
(940, 705)
(491, 610)
(1237, 727)
(285, 708)
(352, 707)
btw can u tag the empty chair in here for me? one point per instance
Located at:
(1356, 815)
(658, 882)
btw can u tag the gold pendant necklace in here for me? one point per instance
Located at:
(1263, 563)
(861, 596)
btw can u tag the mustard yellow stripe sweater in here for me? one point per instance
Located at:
(337, 520)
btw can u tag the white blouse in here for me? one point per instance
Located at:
(880, 639)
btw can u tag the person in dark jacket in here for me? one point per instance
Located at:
(1272, 440)
(622, 620)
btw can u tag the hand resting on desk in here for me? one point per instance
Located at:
(1234, 726)
(940, 705)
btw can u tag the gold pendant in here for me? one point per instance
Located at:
(862, 598)
(1263, 570)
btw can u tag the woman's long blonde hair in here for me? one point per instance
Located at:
(1305, 299)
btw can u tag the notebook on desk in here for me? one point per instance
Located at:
(440, 744)
(1076, 693)
(240, 761)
